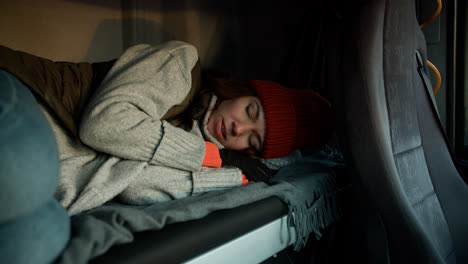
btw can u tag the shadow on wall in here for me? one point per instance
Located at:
(273, 40)
(167, 5)
(142, 31)
(105, 39)
(153, 34)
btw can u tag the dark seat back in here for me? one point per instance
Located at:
(393, 138)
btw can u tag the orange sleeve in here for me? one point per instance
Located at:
(212, 158)
(244, 179)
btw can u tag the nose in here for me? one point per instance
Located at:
(238, 128)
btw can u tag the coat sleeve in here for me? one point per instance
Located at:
(123, 118)
(159, 184)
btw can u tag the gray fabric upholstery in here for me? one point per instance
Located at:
(393, 138)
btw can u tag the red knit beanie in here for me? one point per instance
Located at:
(294, 118)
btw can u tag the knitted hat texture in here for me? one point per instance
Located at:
(295, 118)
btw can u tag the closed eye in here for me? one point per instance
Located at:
(257, 113)
(249, 111)
(255, 142)
(253, 113)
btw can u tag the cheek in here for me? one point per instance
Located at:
(227, 106)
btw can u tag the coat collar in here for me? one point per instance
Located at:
(204, 122)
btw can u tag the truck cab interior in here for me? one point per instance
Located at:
(395, 72)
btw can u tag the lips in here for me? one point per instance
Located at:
(221, 130)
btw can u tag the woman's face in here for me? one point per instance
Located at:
(239, 124)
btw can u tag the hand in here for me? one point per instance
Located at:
(253, 168)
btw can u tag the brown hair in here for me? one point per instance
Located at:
(224, 85)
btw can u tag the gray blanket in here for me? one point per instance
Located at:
(307, 187)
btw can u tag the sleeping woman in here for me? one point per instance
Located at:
(156, 129)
